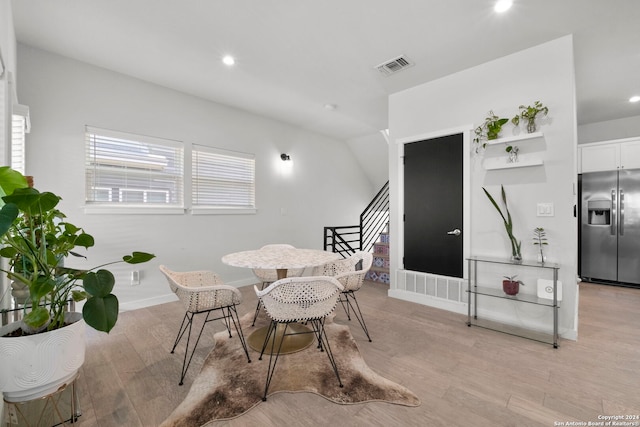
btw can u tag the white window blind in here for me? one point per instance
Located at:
(133, 170)
(20, 126)
(222, 179)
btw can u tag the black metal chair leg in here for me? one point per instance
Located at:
(236, 323)
(319, 324)
(255, 316)
(185, 364)
(180, 332)
(345, 305)
(356, 311)
(225, 318)
(272, 361)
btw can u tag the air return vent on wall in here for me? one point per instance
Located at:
(394, 65)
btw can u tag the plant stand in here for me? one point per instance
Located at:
(57, 408)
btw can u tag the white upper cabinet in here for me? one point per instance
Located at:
(630, 154)
(609, 155)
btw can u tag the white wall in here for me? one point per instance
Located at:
(542, 73)
(372, 153)
(326, 187)
(609, 130)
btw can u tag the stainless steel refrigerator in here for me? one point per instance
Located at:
(610, 227)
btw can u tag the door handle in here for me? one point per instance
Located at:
(455, 232)
(613, 212)
(621, 222)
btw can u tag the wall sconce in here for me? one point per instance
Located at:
(285, 157)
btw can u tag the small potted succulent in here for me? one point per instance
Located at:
(529, 114)
(540, 239)
(510, 285)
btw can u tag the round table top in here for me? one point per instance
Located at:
(279, 258)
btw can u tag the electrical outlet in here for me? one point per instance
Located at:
(135, 278)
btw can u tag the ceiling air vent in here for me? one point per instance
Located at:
(394, 65)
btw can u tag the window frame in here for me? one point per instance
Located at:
(188, 176)
(92, 206)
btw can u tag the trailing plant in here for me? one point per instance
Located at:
(513, 151)
(540, 239)
(35, 238)
(529, 113)
(489, 130)
(508, 223)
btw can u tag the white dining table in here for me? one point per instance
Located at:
(280, 259)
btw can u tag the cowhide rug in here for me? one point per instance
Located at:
(227, 386)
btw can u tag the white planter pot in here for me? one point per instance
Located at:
(33, 366)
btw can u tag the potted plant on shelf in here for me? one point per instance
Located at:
(508, 224)
(540, 239)
(511, 286)
(529, 113)
(513, 153)
(489, 130)
(35, 238)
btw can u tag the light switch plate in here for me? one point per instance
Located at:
(545, 209)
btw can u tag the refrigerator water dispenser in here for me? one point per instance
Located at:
(599, 212)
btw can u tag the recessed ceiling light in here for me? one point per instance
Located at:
(634, 98)
(330, 107)
(502, 5)
(228, 60)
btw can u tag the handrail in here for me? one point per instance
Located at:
(374, 220)
(336, 240)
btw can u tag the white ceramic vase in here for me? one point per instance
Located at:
(33, 366)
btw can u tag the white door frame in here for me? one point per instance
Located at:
(397, 267)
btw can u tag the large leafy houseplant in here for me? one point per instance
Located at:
(508, 224)
(35, 238)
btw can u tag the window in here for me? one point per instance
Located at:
(222, 179)
(20, 126)
(133, 170)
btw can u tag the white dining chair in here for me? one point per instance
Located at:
(350, 272)
(268, 276)
(203, 292)
(298, 299)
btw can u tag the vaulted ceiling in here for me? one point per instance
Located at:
(297, 58)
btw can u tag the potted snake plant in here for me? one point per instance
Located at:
(516, 244)
(35, 238)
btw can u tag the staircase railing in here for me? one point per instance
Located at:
(343, 240)
(374, 220)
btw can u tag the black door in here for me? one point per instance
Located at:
(433, 206)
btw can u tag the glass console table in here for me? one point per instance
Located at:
(475, 289)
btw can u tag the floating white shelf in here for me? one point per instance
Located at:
(512, 139)
(503, 163)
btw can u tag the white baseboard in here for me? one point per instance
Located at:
(444, 304)
(148, 302)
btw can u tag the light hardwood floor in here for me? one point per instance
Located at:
(463, 376)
